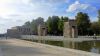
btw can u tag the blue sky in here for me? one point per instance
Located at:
(16, 12)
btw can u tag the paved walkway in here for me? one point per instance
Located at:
(15, 47)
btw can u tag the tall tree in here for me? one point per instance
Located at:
(83, 23)
(99, 16)
(35, 23)
(99, 20)
(49, 25)
(65, 19)
(61, 24)
(95, 28)
(27, 24)
(52, 24)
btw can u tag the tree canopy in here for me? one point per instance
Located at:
(52, 24)
(55, 24)
(83, 23)
(99, 17)
(61, 24)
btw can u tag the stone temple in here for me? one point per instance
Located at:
(42, 30)
(70, 29)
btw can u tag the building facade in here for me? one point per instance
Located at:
(19, 30)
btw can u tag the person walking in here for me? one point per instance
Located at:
(95, 36)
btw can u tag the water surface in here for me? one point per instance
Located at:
(90, 46)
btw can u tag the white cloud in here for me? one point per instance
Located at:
(77, 6)
(7, 7)
(16, 12)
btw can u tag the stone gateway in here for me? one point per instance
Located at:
(70, 29)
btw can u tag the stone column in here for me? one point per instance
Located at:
(70, 29)
(42, 31)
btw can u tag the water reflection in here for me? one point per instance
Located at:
(91, 46)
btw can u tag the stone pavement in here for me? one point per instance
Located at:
(16, 47)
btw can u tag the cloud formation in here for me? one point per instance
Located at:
(16, 12)
(77, 6)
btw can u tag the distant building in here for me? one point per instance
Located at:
(13, 33)
(23, 30)
(19, 30)
(3, 35)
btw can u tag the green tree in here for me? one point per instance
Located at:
(83, 23)
(27, 24)
(99, 20)
(95, 28)
(65, 19)
(52, 24)
(61, 24)
(49, 25)
(35, 23)
(99, 16)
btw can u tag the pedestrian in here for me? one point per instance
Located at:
(95, 36)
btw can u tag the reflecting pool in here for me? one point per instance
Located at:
(90, 46)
